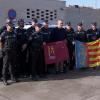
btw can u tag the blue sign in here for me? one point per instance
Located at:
(12, 14)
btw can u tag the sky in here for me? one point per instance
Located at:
(87, 3)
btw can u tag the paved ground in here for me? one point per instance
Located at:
(75, 85)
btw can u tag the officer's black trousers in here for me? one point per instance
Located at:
(37, 63)
(9, 63)
(71, 55)
(29, 61)
(21, 62)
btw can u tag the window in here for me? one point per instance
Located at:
(51, 18)
(33, 11)
(47, 17)
(38, 17)
(33, 15)
(51, 15)
(51, 12)
(42, 11)
(37, 13)
(42, 15)
(47, 13)
(28, 16)
(28, 13)
(28, 9)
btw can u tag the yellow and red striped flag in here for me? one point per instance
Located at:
(93, 53)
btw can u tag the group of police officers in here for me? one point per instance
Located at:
(21, 50)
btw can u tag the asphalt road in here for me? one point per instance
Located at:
(75, 85)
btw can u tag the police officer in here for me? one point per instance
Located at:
(46, 37)
(36, 42)
(8, 39)
(21, 34)
(80, 34)
(3, 29)
(46, 31)
(70, 37)
(30, 31)
(32, 28)
(58, 34)
(93, 33)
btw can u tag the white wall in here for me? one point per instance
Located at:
(86, 15)
(21, 5)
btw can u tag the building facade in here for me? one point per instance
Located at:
(49, 10)
(85, 15)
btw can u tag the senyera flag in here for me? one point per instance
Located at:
(87, 54)
(55, 52)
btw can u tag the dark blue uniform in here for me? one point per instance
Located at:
(30, 31)
(35, 42)
(80, 36)
(92, 35)
(9, 54)
(46, 34)
(70, 37)
(21, 55)
(58, 34)
(2, 29)
(46, 37)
